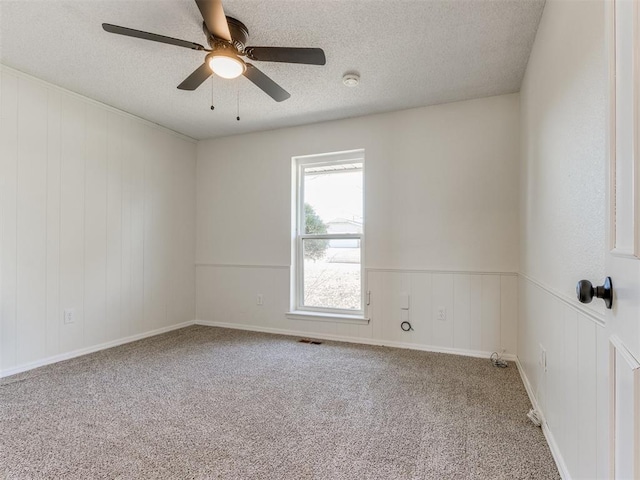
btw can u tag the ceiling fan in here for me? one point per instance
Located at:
(227, 38)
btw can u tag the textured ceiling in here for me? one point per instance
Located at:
(409, 53)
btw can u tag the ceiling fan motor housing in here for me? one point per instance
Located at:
(239, 35)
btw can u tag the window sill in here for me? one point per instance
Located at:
(327, 317)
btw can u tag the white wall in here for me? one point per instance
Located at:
(441, 207)
(97, 213)
(562, 214)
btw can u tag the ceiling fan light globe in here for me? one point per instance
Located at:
(226, 66)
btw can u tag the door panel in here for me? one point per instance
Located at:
(623, 265)
(624, 374)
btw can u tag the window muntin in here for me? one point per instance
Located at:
(330, 233)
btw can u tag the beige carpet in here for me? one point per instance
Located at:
(206, 402)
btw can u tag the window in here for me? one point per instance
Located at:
(329, 234)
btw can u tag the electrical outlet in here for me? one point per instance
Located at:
(442, 314)
(260, 299)
(69, 316)
(542, 361)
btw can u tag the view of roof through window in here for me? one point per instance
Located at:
(335, 194)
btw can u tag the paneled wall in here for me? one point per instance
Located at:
(572, 390)
(97, 214)
(562, 214)
(441, 195)
(481, 309)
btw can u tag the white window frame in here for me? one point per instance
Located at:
(299, 310)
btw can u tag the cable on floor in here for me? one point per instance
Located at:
(497, 360)
(535, 417)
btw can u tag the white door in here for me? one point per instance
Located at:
(623, 254)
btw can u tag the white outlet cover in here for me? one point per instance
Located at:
(69, 316)
(442, 314)
(542, 359)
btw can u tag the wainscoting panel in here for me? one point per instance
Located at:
(570, 390)
(480, 309)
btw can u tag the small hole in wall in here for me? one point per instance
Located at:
(312, 342)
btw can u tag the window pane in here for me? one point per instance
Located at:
(332, 274)
(333, 199)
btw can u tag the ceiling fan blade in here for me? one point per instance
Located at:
(267, 85)
(130, 32)
(308, 56)
(214, 18)
(197, 78)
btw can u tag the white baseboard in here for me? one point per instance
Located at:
(548, 434)
(358, 340)
(84, 351)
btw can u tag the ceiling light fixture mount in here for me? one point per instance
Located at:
(351, 79)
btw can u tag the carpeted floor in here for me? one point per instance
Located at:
(206, 402)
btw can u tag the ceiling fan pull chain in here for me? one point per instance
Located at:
(238, 103)
(212, 107)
